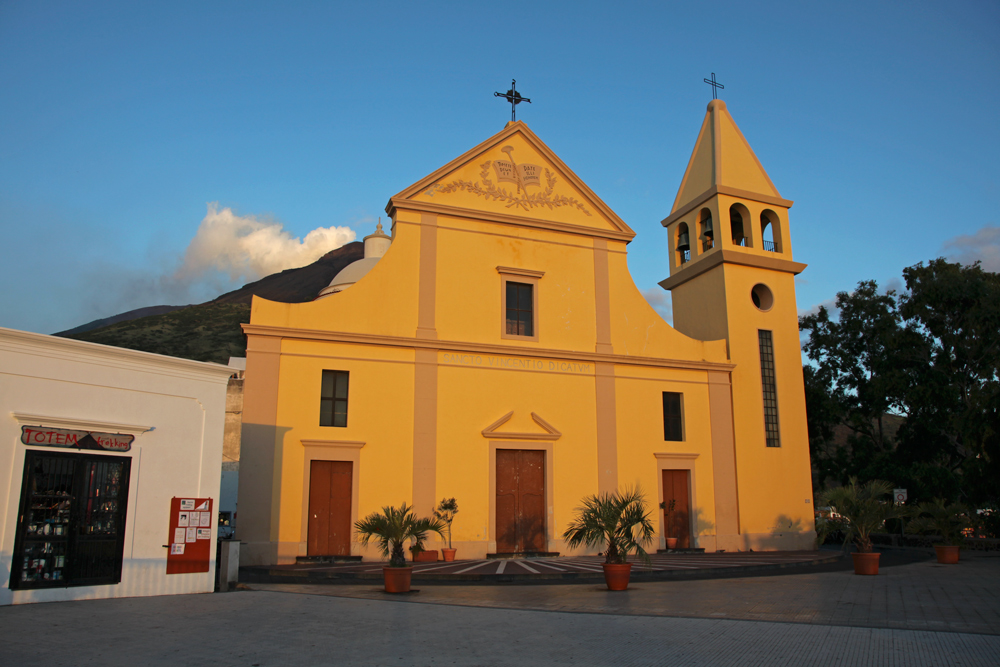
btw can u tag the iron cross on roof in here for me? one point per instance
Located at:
(513, 97)
(714, 85)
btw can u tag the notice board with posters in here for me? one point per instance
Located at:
(190, 535)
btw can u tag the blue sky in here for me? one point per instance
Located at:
(121, 124)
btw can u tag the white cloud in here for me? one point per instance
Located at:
(658, 298)
(227, 251)
(247, 248)
(983, 246)
(829, 304)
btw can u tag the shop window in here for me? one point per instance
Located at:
(673, 418)
(333, 399)
(71, 523)
(769, 387)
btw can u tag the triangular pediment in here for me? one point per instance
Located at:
(546, 432)
(514, 176)
(722, 159)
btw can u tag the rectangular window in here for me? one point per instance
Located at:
(673, 424)
(520, 309)
(71, 523)
(333, 399)
(770, 388)
(519, 303)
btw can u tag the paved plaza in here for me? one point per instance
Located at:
(919, 613)
(670, 565)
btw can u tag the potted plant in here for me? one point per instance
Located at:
(391, 528)
(865, 510)
(445, 513)
(420, 555)
(618, 522)
(668, 509)
(948, 521)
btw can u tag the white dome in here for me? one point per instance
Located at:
(349, 275)
(376, 245)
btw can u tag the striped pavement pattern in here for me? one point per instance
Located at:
(561, 567)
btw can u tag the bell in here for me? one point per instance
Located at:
(683, 242)
(707, 228)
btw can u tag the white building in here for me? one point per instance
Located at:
(107, 456)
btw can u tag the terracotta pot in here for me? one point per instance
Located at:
(616, 576)
(671, 542)
(449, 554)
(426, 556)
(865, 563)
(947, 555)
(397, 579)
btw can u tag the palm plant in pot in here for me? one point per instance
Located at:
(620, 523)
(865, 508)
(390, 529)
(947, 520)
(445, 513)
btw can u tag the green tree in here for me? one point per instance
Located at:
(926, 359)
(952, 410)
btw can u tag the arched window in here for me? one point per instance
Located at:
(738, 216)
(683, 243)
(707, 231)
(770, 231)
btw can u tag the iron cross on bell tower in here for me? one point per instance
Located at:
(715, 86)
(513, 97)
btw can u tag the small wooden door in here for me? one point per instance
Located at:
(676, 484)
(520, 502)
(330, 508)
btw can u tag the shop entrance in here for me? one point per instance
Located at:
(330, 508)
(520, 501)
(676, 487)
(71, 523)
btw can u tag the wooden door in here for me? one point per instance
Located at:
(520, 501)
(676, 485)
(330, 508)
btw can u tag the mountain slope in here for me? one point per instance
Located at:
(120, 317)
(211, 331)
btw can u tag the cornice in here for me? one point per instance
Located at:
(77, 424)
(696, 268)
(512, 128)
(513, 271)
(350, 444)
(675, 455)
(503, 219)
(550, 432)
(481, 348)
(728, 191)
(68, 349)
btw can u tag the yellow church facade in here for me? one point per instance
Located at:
(495, 349)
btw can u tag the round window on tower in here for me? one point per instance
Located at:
(762, 297)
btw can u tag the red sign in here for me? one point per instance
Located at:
(60, 437)
(190, 537)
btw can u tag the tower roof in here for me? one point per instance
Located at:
(722, 161)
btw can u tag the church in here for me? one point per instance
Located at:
(493, 347)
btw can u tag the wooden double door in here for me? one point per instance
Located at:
(520, 501)
(677, 487)
(330, 508)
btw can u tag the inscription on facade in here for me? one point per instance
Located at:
(516, 363)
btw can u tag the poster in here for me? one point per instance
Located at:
(191, 533)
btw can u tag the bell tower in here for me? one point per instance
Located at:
(732, 277)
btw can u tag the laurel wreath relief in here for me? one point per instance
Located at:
(522, 200)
